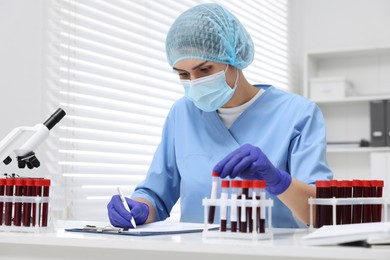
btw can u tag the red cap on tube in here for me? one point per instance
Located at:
(236, 184)
(29, 182)
(259, 184)
(19, 182)
(46, 182)
(322, 184)
(38, 182)
(246, 183)
(346, 183)
(225, 184)
(215, 174)
(356, 183)
(9, 181)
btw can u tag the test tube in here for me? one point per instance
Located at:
(236, 187)
(225, 184)
(19, 183)
(45, 205)
(336, 193)
(213, 195)
(379, 194)
(2, 188)
(323, 212)
(367, 209)
(373, 191)
(246, 217)
(36, 190)
(347, 209)
(357, 209)
(259, 193)
(27, 191)
(242, 209)
(9, 191)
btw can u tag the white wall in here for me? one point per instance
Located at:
(336, 24)
(21, 44)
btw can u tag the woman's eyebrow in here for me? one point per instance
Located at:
(199, 65)
(194, 68)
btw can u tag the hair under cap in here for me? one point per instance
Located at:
(209, 32)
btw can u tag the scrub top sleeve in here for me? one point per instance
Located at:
(161, 186)
(307, 160)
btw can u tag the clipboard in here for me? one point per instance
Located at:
(152, 229)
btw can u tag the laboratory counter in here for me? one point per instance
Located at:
(61, 244)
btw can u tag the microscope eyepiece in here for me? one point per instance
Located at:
(54, 118)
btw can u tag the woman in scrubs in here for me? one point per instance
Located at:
(227, 125)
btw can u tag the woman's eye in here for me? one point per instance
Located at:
(184, 75)
(205, 70)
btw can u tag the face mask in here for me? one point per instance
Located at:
(209, 93)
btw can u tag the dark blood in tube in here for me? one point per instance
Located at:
(9, 191)
(45, 205)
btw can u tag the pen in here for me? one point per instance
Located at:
(126, 206)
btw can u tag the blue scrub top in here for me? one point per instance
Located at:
(288, 128)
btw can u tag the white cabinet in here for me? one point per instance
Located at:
(365, 75)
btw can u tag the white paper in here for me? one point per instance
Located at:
(336, 234)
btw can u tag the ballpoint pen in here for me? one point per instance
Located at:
(126, 206)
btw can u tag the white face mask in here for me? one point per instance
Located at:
(211, 92)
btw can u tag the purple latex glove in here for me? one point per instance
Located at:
(249, 162)
(120, 217)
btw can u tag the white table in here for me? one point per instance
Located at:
(60, 244)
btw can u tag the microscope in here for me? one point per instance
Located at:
(22, 141)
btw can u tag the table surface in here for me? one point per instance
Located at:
(60, 244)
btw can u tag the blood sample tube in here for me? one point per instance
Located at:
(379, 194)
(323, 212)
(27, 192)
(367, 208)
(357, 209)
(225, 184)
(259, 193)
(213, 195)
(2, 188)
(36, 191)
(334, 187)
(347, 209)
(45, 205)
(373, 191)
(236, 187)
(247, 218)
(242, 209)
(9, 191)
(19, 183)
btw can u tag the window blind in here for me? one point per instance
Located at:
(107, 69)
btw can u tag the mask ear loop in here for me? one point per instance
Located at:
(237, 76)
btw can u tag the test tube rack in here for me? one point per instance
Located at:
(24, 204)
(253, 203)
(334, 202)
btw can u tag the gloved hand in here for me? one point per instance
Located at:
(120, 217)
(249, 162)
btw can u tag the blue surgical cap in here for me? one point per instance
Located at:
(209, 32)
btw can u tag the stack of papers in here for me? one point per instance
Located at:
(372, 233)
